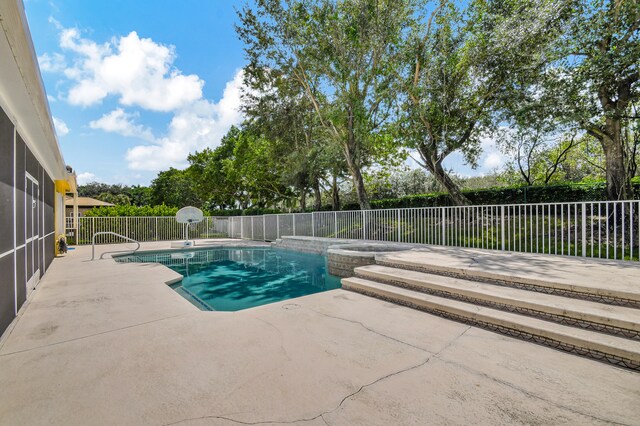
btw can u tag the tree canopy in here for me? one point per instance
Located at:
(338, 93)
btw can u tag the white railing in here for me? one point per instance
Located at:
(97, 234)
(146, 229)
(592, 229)
(68, 222)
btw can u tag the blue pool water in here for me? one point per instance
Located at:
(239, 278)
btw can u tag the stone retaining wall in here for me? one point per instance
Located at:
(315, 245)
(342, 265)
(343, 255)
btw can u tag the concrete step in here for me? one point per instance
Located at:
(618, 320)
(613, 282)
(617, 350)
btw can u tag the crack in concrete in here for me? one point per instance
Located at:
(286, 354)
(372, 331)
(308, 419)
(91, 335)
(351, 395)
(244, 423)
(526, 392)
(344, 399)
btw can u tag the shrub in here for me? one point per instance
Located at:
(120, 211)
(575, 192)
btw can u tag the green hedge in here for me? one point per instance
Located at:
(120, 211)
(508, 195)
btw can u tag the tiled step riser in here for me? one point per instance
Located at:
(301, 246)
(523, 286)
(503, 329)
(589, 325)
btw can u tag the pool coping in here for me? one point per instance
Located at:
(256, 245)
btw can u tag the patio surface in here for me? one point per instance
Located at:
(107, 343)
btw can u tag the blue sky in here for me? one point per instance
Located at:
(134, 86)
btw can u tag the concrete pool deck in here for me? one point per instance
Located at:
(106, 343)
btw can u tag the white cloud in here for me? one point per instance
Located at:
(121, 122)
(86, 177)
(202, 124)
(137, 70)
(140, 74)
(492, 159)
(61, 127)
(52, 63)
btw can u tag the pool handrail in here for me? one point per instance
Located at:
(93, 244)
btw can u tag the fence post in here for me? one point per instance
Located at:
(93, 228)
(293, 220)
(502, 225)
(313, 224)
(335, 224)
(126, 226)
(398, 225)
(444, 227)
(584, 230)
(242, 228)
(277, 226)
(264, 230)
(252, 217)
(157, 238)
(364, 225)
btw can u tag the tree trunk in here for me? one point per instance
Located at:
(317, 205)
(452, 188)
(618, 185)
(335, 193)
(303, 199)
(361, 192)
(358, 181)
(350, 153)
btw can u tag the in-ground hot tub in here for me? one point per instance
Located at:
(343, 258)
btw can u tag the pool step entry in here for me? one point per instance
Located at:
(591, 328)
(589, 279)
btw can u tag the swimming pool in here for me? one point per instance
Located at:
(232, 279)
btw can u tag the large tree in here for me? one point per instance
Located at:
(463, 69)
(173, 188)
(210, 179)
(257, 165)
(593, 81)
(282, 113)
(136, 194)
(540, 156)
(342, 54)
(245, 170)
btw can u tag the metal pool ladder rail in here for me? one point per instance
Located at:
(93, 244)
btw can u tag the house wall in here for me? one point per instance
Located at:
(33, 173)
(27, 221)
